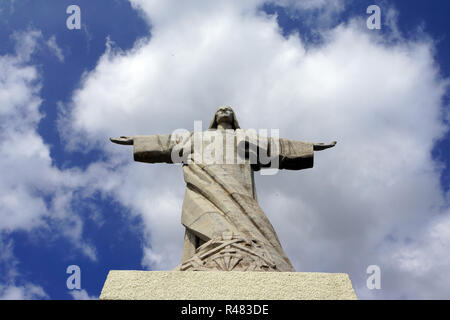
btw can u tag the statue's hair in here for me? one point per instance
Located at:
(213, 124)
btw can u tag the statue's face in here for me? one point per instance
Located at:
(224, 114)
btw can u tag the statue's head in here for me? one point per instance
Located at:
(224, 115)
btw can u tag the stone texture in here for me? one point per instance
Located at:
(219, 285)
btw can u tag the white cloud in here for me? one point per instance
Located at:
(33, 192)
(26, 292)
(317, 14)
(81, 295)
(420, 265)
(55, 49)
(30, 41)
(381, 100)
(26, 43)
(9, 288)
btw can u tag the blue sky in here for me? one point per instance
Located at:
(87, 222)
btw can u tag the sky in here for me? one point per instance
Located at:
(312, 69)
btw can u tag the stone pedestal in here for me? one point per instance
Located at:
(220, 285)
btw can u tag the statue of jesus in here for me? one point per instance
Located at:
(225, 227)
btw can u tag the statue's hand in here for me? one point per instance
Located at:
(122, 140)
(323, 146)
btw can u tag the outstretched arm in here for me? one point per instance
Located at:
(151, 149)
(298, 155)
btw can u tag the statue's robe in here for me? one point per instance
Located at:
(222, 197)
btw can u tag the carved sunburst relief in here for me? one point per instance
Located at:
(230, 252)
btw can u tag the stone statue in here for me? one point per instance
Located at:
(225, 227)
